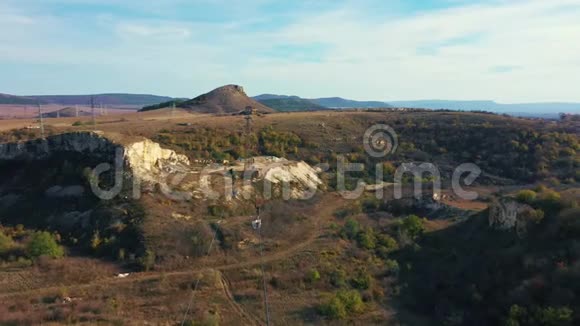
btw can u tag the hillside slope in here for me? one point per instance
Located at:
(292, 103)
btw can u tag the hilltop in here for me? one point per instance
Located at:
(225, 99)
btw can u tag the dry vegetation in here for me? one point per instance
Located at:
(328, 260)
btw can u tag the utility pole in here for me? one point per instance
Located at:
(76, 110)
(172, 109)
(93, 110)
(41, 121)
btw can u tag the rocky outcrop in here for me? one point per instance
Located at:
(146, 161)
(145, 158)
(77, 142)
(507, 214)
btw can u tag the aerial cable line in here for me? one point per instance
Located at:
(257, 225)
(198, 279)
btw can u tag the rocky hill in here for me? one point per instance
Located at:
(225, 99)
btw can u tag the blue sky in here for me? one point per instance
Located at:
(505, 50)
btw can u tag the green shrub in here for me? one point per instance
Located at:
(343, 304)
(387, 242)
(5, 243)
(392, 266)
(334, 309)
(552, 316)
(44, 244)
(338, 278)
(526, 196)
(413, 226)
(351, 228)
(313, 276)
(366, 239)
(362, 280)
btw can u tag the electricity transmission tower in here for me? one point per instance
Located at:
(93, 110)
(41, 120)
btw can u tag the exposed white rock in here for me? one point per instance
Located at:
(147, 159)
(505, 214)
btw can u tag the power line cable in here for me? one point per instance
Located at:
(197, 282)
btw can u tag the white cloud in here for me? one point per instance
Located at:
(504, 50)
(160, 31)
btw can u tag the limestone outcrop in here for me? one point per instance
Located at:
(148, 163)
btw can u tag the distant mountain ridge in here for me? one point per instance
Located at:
(109, 99)
(16, 100)
(104, 99)
(339, 103)
(535, 108)
(320, 103)
(545, 110)
(285, 103)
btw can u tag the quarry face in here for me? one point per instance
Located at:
(146, 164)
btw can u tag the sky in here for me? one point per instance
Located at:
(504, 50)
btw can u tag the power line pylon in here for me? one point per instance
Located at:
(41, 120)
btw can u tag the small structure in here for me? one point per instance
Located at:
(249, 110)
(257, 223)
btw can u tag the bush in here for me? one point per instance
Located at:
(313, 276)
(334, 309)
(338, 278)
(147, 261)
(5, 243)
(413, 226)
(366, 239)
(526, 196)
(351, 229)
(44, 244)
(387, 243)
(548, 316)
(343, 304)
(392, 266)
(362, 280)
(534, 216)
